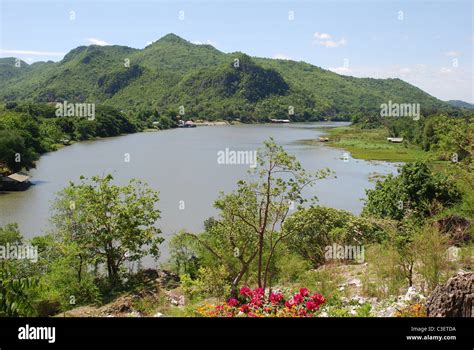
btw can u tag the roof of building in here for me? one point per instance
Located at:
(19, 177)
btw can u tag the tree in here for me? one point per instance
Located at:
(108, 224)
(250, 224)
(416, 189)
(313, 229)
(14, 152)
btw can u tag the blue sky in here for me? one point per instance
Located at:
(428, 43)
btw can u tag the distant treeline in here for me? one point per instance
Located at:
(450, 138)
(28, 130)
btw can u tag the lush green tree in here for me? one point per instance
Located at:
(14, 152)
(416, 189)
(109, 224)
(313, 229)
(14, 294)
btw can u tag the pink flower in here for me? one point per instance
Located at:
(259, 291)
(318, 299)
(297, 299)
(275, 298)
(246, 291)
(304, 292)
(256, 300)
(289, 304)
(311, 305)
(233, 302)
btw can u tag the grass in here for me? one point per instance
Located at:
(373, 145)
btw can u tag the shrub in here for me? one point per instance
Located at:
(431, 250)
(416, 188)
(385, 275)
(415, 310)
(210, 282)
(311, 230)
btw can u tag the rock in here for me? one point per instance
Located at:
(456, 228)
(168, 280)
(454, 299)
(175, 299)
(134, 314)
(354, 282)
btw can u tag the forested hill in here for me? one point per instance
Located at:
(173, 72)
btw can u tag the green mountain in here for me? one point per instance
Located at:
(173, 72)
(460, 104)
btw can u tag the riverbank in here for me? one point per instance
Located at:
(372, 144)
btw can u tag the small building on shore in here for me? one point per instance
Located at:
(395, 139)
(15, 182)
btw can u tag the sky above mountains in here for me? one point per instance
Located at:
(426, 43)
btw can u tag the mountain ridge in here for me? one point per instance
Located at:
(173, 72)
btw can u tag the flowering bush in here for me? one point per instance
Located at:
(415, 310)
(256, 304)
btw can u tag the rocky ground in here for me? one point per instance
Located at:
(455, 298)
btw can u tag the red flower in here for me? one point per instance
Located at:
(289, 304)
(246, 291)
(318, 299)
(259, 291)
(311, 305)
(302, 312)
(275, 298)
(297, 299)
(245, 308)
(256, 300)
(304, 292)
(233, 302)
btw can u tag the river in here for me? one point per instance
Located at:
(182, 165)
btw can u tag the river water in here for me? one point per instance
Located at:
(182, 164)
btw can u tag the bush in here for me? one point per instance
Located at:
(433, 260)
(311, 230)
(210, 282)
(416, 189)
(385, 275)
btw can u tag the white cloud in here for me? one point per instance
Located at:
(325, 39)
(404, 71)
(206, 42)
(32, 53)
(341, 70)
(281, 56)
(453, 53)
(95, 41)
(332, 44)
(322, 36)
(445, 70)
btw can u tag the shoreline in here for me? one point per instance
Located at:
(372, 145)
